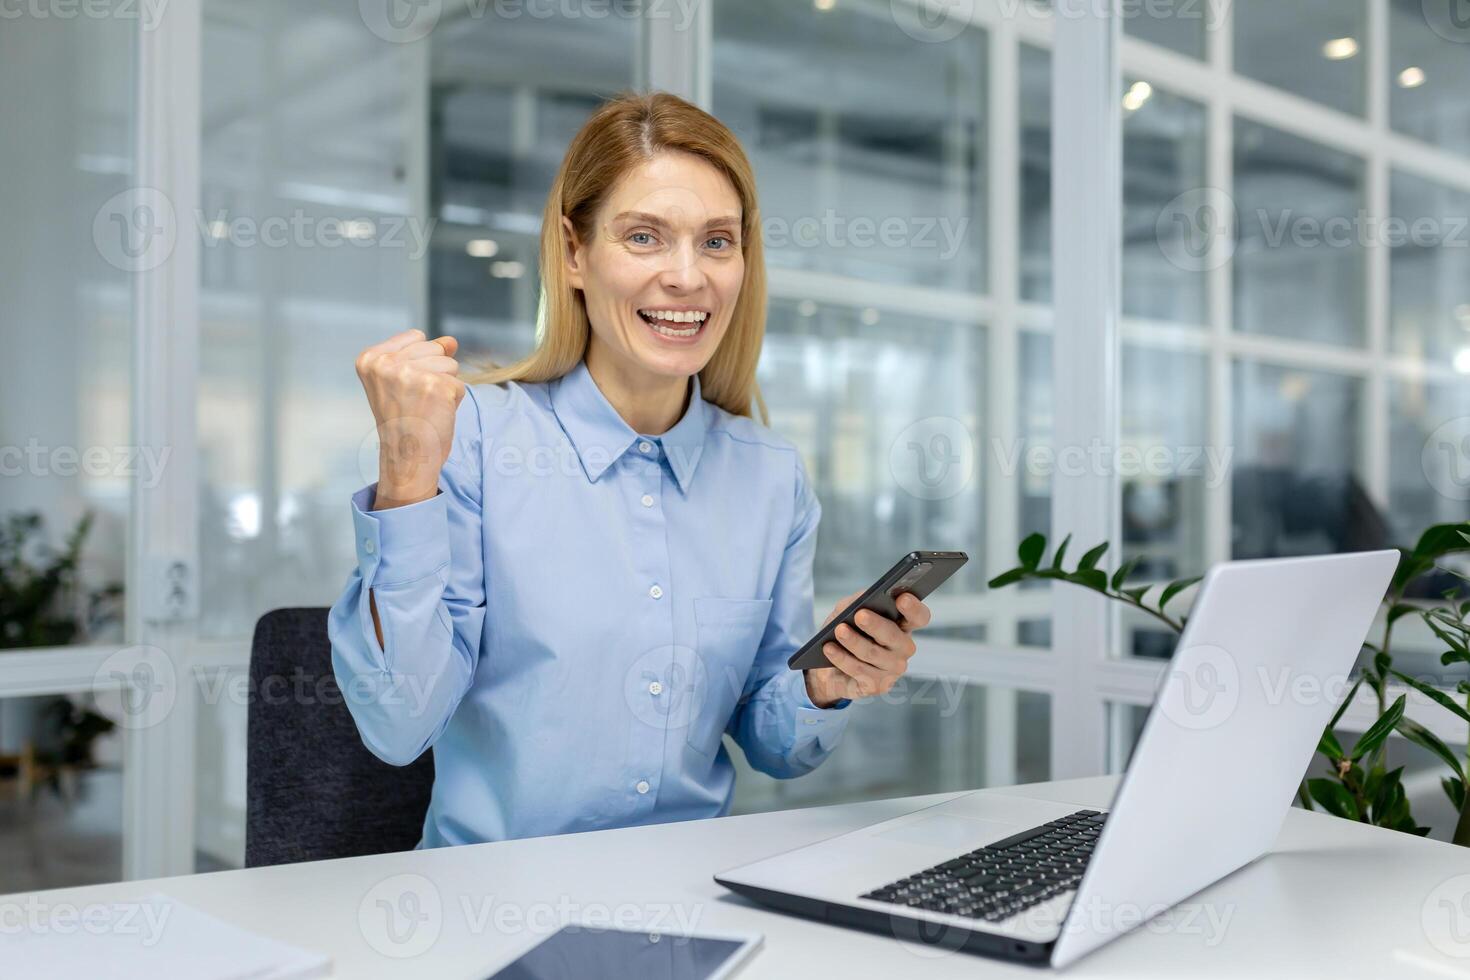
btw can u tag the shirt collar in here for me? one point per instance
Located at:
(600, 436)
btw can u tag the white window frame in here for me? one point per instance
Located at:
(1080, 673)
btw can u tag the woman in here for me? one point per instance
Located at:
(577, 572)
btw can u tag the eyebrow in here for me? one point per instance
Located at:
(653, 219)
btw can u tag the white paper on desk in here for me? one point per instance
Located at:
(147, 940)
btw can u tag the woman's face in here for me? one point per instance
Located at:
(661, 270)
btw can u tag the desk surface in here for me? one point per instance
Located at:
(1335, 899)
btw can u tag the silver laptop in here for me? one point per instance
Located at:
(1266, 651)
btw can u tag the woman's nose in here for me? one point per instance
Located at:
(683, 272)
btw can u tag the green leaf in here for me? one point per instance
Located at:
(1009, 577)
(1121, 575)
(1031, 550)
(1091, 578)
(1056, 561)
(1379, 730)
(1342, 708)
(1455, 790)
(1399, 610)
(1329, 746)
(1424, 738)
(1371, 785)
(1434, 694)
(1333, 797)
(1175, 588)
(1090, 558)
(1136, 594)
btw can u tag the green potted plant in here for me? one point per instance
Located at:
(1357, 784)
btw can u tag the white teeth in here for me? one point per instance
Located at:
(676, 316)
(671, 332)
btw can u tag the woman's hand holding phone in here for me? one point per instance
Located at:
(865, 665)
(414, 394)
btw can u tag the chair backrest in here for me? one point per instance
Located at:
(313, 790)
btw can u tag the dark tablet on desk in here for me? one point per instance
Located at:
(578, 952)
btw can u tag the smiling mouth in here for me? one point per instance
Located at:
(677, 324)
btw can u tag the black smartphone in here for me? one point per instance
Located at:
(919, 572)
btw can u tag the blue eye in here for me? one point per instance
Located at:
(641, 238)
(719, 243)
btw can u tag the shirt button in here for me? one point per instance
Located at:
(655, 688)
(645, 447)
(647, 500)
(642, 786)
(656, 592)
(368, 546)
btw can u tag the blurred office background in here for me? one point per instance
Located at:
(405, 168)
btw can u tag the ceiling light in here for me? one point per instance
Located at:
(1411, 77)
(824, 4)
(507, 270)
(1340, 48)
(1138, 93)
(482, 248)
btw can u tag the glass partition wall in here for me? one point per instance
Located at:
(1284, 358)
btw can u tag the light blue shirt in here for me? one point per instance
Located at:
(581, 612)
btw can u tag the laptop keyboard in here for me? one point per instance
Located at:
(999, 880)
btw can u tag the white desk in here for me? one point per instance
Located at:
(1336, 899)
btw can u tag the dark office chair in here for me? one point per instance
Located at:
(312, 790)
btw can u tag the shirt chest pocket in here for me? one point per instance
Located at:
(728, 634)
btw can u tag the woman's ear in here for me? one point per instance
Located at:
(573, 253)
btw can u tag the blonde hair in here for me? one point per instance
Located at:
(624, 132)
